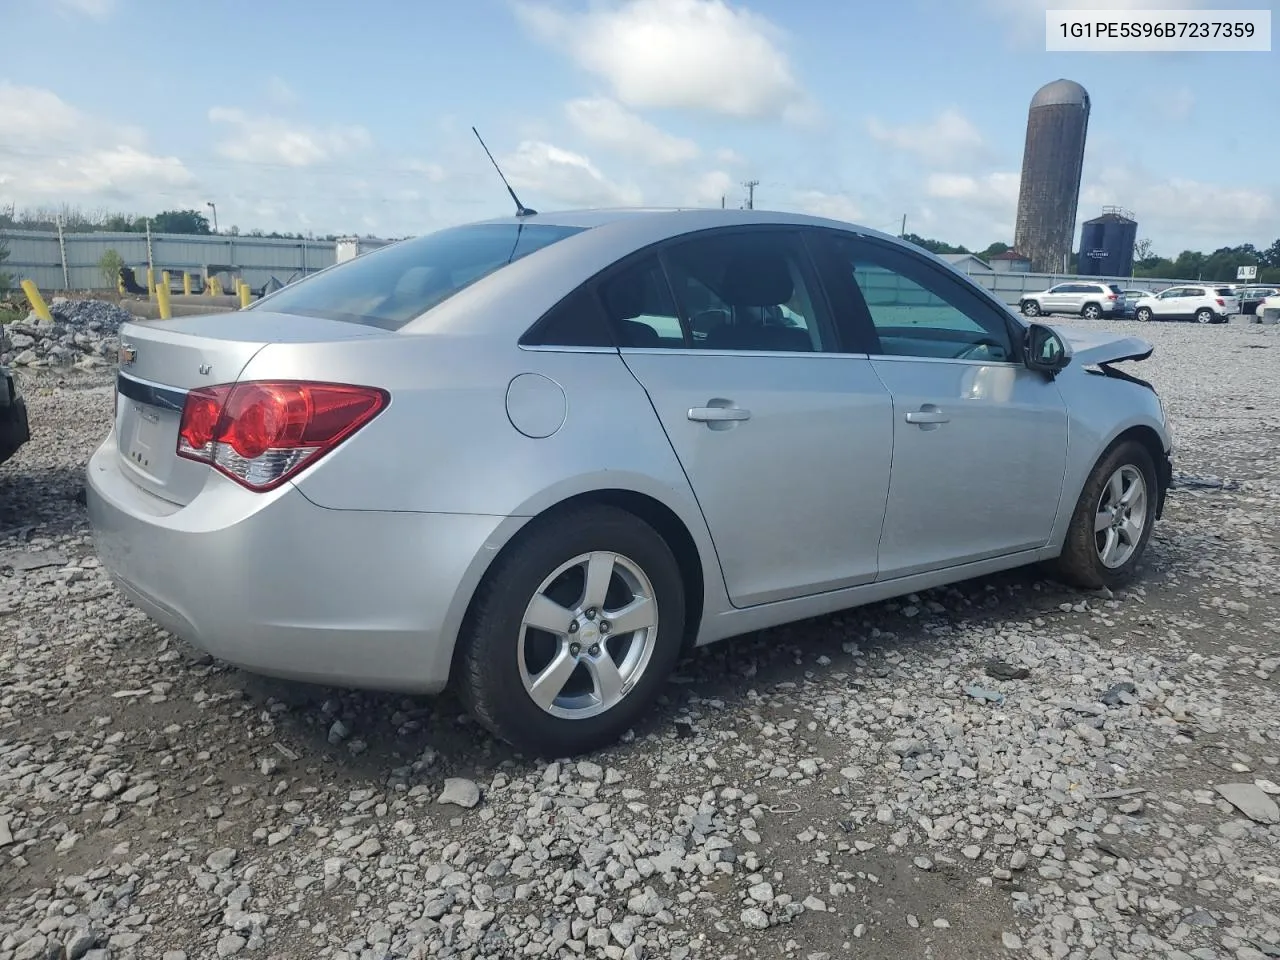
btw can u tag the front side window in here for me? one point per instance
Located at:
(391, 286)
(746, 291)
(918, 312)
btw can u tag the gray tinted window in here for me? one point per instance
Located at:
(391, 286)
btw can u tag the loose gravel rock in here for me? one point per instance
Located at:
(84, 335)
(826, 789)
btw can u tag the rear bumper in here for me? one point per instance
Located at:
(279, 586)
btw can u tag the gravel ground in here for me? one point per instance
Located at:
(1000, 768)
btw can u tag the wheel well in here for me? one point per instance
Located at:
(669, 526)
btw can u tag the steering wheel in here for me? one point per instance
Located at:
(971, 349)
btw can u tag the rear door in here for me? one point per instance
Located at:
(785, 438)
(980, 441)
(1057, 299)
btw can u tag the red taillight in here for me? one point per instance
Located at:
(260, 433)
(1111, 296)
(1221, 302)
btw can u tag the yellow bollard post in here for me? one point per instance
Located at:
(216, 286)
(164, 278)
(246, 295)
(37, 302)
(120, 285)
(186, 284)
(151, 281)
(162, 299)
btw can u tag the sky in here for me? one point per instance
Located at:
(314, 115)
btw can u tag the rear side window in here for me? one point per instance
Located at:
(1193, 292)
(391, 286)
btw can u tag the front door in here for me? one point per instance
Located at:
(785, 441)
(979, 440)
(1169, 304)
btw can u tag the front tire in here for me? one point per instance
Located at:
(572, 632)
(1030, 308)
(1204, 316)
(1143, 314)
(1112, 521)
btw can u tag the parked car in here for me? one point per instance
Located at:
(1131, 298)
(1092, 301)
(498, 456)
(1270, 303)
(1199, 302)
(1252, 297)
(14, 427)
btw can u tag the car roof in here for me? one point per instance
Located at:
(525, 289)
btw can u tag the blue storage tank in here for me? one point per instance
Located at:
(1106, 244)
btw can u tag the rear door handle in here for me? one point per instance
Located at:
(926, 415)
(718, 414)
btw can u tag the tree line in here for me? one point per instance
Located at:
(77, 220)
(1219, 266)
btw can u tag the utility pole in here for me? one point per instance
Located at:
(751, 193)
(903, 234)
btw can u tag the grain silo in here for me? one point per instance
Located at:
(1051, 166)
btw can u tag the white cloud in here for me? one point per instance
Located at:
(612, 125)
(1181, 213)
(94, 9)
(726, 155)
(51, 153)
(564, 177)
(709, 189)
(993, 190)
(1175, 105)
(261, 139)
(835, 206)
(949, 136)
(687, 54)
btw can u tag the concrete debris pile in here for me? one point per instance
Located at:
(84, 335)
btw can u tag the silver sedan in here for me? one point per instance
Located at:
(537, 458)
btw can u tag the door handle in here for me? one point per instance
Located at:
(928, 414)
(718, 414)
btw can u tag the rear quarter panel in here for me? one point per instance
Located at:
(446, 442)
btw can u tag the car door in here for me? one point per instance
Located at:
(1192, 299)
(785, 438)
(1167, 303)
(980, 441)
(1057, 299)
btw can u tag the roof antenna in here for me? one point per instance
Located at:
(521, 209)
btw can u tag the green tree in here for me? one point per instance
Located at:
(110, 265)
(180, 221)
(933, 246)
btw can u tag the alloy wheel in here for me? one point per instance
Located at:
(1121, 516)
(587, 635)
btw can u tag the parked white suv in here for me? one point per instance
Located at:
(1089, 300)
(1203, 303)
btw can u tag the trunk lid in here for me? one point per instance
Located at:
(160, 361)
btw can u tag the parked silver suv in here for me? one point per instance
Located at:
(1089, 300)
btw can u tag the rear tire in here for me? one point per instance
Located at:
(1204, 316)
(1143, 315)
(592, 681)
(1091, 311)
(1120, 494)
(1030, 308)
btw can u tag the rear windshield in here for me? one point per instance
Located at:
(391, 286)
(1114, 289)
(1225, 292)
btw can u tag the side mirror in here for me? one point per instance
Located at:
(1045, 351)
